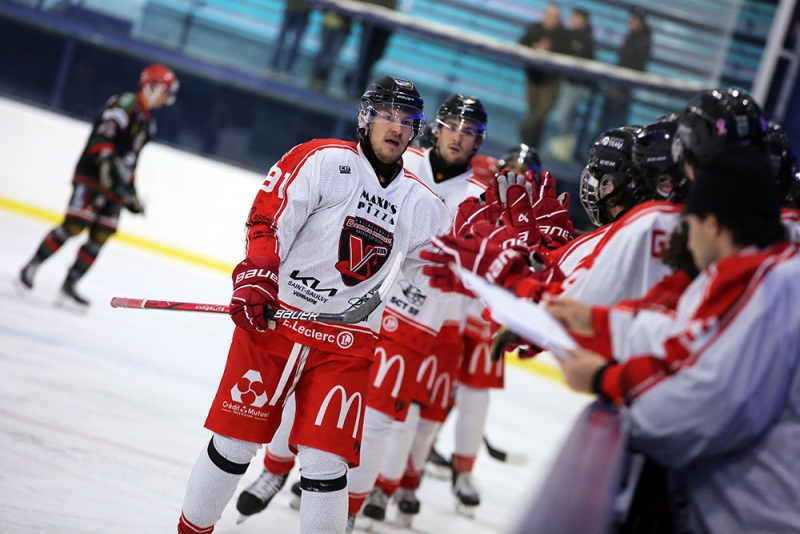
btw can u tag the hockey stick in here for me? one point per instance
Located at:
(503, 456)
(351, 316)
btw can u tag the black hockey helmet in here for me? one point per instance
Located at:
(660, 176)
(387, 96)
(525, 157)
(782, 158)
(716, 119)
(463, 108)
(609, 173)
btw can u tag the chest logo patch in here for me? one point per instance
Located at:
(363, 249)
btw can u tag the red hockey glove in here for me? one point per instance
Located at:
(255, 289)
(484, 257)
(552, 212)
(470, 211)
(543, 277)
(519, 216)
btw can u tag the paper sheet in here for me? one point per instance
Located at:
(524, 318)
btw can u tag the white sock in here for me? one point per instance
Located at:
(374, 439)
(209, 487)
(322, 512)
(423, 441)
(279, 446)
(472, 409)
(400, 442)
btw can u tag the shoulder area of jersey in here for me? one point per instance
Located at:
(421, 187)
(126, 101)
(651, 207)
(315, 146)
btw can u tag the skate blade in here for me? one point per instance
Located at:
(21, 290)
(67, 304)
(438, 472)
(404, 520)
(294, 504)
(466, 511)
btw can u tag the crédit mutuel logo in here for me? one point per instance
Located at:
(248, 396)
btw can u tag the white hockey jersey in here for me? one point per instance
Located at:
(323, 214)
(411, 316)
(626, 262)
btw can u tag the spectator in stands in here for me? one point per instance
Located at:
(374, 40)
(580, 43)
(634, 54)
(335, 29)
(295, 20)
(542, 86)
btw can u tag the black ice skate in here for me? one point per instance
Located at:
(466, 493)
(376, 504)
(257, 495)
(438, 466)
(294, 504)
(27, 273)
(69, 297)
(407, 506)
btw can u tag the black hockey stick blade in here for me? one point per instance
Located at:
(503, 456)
(356, 315)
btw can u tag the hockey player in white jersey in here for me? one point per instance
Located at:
(325, 227)
(421, 342)
(626, 262)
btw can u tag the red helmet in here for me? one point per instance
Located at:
(159, 74)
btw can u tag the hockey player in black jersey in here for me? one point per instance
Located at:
(104, 177)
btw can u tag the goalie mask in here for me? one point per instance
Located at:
(462, 108)
(157, 80)
(521, 158)
(661, 177)
(393, 100)
(714, 120)
(609, 174)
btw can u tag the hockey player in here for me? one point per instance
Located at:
(329, 220)
(625, 262)
(104, 178)
(409, 328)
(715, 401)
(423, 334)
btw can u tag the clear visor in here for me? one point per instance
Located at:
(404, 116)
(468, 128)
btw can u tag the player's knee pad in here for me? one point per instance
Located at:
(321, 471)
(231, 455)
(72, 227)
(100, 235)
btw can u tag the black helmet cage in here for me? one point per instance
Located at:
(463, 108)
(609, 159)
(652, 157)
(782, 158)
(524, 156)
(716, 119)
(393, 93)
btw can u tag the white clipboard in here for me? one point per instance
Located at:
(525, 318)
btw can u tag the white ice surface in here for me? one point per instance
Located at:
(101, 414)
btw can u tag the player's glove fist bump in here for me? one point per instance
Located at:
(255, 290)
